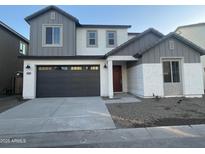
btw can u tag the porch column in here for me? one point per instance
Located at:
(110, 79)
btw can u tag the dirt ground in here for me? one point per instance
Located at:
(158, 112)
(9, 102)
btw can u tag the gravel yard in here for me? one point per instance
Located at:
(158, 112)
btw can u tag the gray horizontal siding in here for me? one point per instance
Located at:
(162, 50)
(69, 36)
(139, 45)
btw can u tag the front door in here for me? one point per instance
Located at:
(172, 77)
(117, 78)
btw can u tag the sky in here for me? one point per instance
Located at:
(163, 18)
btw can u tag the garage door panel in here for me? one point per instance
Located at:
(65, 83)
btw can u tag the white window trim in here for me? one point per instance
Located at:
(21, 42)
(115, 39)
(44, 35)
(96, 39)
(170, 60)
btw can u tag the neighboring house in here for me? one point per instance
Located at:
(67, 58)
(11, 45)
(196, 34)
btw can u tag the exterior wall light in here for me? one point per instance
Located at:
(105, 66)
(28, 66)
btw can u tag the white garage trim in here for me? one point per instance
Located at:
(29, 81)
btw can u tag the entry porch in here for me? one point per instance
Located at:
(117, 74)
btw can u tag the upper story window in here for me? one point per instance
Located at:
(92, 38)
(22, 47)
(52, 35)
(111, 38)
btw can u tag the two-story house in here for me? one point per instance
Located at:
(12, 44)
(67, 58)
(196, 34)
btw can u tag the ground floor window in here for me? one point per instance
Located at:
(171, 71)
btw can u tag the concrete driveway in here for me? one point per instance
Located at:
(56, 114)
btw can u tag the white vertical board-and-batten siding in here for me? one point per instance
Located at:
(101, 49)
(29, 80)
(144, 80)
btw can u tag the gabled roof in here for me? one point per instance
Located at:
(150, 30)
(191, 25)
(13, 32)
(48, 8)
(178, 37)
(51, 7)
(103, 26)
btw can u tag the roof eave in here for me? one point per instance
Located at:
(133, 33)
(103, 26)
(191, 25)
(59, 57)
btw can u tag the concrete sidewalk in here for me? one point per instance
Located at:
(171, 136)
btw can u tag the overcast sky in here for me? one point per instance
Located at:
(164, 18)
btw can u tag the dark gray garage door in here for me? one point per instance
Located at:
(68, 81)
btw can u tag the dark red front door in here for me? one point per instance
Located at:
(117, 78)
